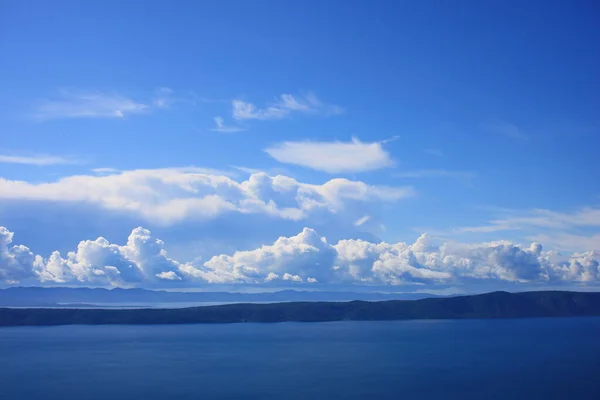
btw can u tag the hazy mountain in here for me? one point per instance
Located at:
(50, 297)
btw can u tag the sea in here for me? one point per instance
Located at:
(553, 358)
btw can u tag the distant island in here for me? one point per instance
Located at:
(116, 297)
(490, 305)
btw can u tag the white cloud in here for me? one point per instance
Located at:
(362, 220)
(96, 104)
(244, 110)
(39, 160)
(77, 104)
(169, 276)
(333, 157)
(309, 256)
(283, 107)
(222, 128)
(167, 196)
(17, 262)
(304, 258)
(305, 254)
(293, 278)
(142, 259)
(271, 276)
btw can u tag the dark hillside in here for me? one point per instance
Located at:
(490, 305)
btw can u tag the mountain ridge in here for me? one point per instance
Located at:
(36, 296)
(488, 305)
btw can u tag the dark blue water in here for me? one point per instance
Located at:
(474, 359)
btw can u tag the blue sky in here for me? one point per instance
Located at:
(474, 122)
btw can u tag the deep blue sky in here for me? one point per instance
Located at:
(487, 110)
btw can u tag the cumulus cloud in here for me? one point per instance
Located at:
(282, 107)
(167, 196)
(306, 255)
(16, 262)
(142, 259)
(306, 258)
(333, 157)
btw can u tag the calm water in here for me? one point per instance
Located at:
(476, 359)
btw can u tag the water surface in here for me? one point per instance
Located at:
(470, 359)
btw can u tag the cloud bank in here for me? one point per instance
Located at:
(306, 258)
(171, 195)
